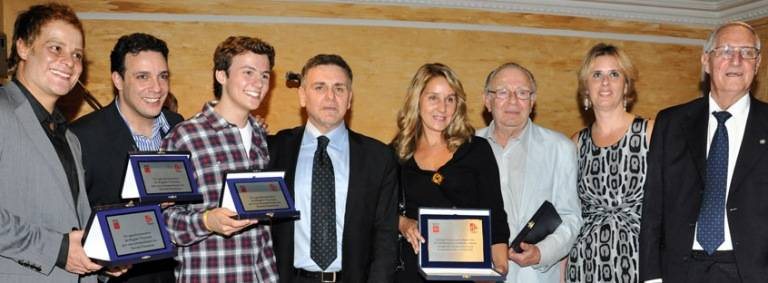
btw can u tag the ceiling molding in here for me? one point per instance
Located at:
(707, 13)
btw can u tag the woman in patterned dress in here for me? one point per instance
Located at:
(612, 164)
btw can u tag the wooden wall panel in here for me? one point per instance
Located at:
(383, 59)
(761, 86)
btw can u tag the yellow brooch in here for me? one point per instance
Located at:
(437, 179)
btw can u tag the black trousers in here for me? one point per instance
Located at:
(303, 279)
(719, 267)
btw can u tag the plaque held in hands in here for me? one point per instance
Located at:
(258, 195)
(127, 235)
(457, 245)
(160, 177)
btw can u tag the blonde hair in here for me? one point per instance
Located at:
(626, 68)
(409, 122)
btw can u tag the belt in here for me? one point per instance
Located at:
(718, 256)
(321, 276)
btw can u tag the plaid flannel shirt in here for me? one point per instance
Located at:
(216, 148)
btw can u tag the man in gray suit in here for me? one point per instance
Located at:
(43, 206)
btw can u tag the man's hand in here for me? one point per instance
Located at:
(219, 220)
(530, 255)
(410, 231)
(77, 261)
(116, 271)
(166, 204)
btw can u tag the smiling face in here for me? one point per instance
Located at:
(606, 84)
(437, 105)
(326, 94)
(144, 86)
(52, 63)
(731, 78)
(245, 83)
(511, 113)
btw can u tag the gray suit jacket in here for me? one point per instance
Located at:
(36, 206)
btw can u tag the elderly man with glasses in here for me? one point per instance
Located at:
(535, 165)
(705, 198)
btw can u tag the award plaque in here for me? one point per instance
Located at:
(457, 245)
(160, 177)
(258, 195)
(127, 235)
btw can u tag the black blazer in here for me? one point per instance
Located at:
(674, 188)
(369, 239)
(106, 140)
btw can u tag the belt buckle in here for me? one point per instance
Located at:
(324, 280)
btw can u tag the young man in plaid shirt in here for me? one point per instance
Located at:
(213, 247)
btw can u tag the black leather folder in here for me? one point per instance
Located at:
(543, 223)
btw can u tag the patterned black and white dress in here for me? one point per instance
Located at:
(610, 187)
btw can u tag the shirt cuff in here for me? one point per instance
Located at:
(656, 280)
(61, 260)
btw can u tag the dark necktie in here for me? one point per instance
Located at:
(710, 232)
(323, 238)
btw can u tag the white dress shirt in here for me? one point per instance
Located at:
(338, 151)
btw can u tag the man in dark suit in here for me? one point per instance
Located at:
(705, 197)
(338, 175)
(134, 121)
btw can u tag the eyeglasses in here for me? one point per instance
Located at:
(728, 52)
(504, 94)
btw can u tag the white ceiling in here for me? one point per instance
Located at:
(692, 12)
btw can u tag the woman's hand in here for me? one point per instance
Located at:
(410, 231)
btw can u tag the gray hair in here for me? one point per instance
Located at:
(510, 65)
(713, 36)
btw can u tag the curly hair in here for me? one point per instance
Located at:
(409, 123)
(233, 46)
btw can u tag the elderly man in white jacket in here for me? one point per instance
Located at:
(535, 165)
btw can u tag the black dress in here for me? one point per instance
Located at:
(469, 180)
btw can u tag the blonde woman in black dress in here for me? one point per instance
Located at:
(443, 164)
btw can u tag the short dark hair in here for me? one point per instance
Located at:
(233, 46)
(326, 59)
(134, 44)
(29, 23)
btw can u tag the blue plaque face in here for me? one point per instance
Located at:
(127, 235)
(136, 232)
(165, 177)
(153, 177)
(258, 195)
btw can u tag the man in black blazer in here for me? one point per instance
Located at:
(700, 222)
(134, 121)
(365, 187)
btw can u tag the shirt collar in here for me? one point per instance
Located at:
(492, 127)
(738, 110)
(56, 118)
(159, 123)
(216, 121)
(337, 137)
